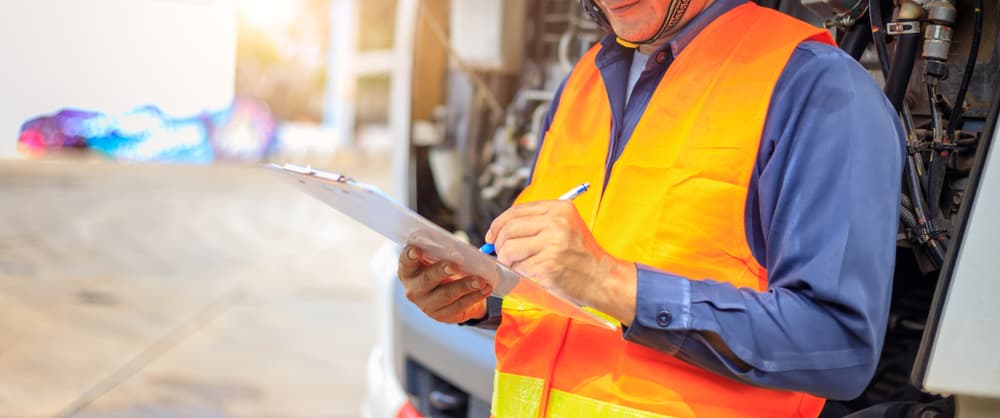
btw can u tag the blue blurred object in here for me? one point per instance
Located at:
(246, 131)
(145, 134)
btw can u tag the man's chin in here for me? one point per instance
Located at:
(638, 30)
(635, 36)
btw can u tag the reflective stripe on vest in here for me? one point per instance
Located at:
(523, 396)
(675, 201)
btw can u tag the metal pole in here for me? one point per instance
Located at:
(341, 85)
(399, 97)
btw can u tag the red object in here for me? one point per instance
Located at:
(408, 411)
(31, 143)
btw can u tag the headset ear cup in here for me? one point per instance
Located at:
(596, 14)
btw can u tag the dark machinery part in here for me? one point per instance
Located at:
(435, 397)
(842, 13)
(897, 75)
(770, 4)
(939, 161)
(970, 66)
(938, 156)
(937, 39)
(925, 234)
(857, 38)
(878, 35)
(941, 17)
(907, 32)
(943, 132)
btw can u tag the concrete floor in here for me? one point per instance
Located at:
(170, 291)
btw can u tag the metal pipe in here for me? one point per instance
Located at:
(937, 39)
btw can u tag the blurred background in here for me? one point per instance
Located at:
(148, 266)
(195, 81)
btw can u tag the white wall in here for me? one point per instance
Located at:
(112, 56)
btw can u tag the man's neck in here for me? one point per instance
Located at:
(650, 48)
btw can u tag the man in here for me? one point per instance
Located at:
(741, 226)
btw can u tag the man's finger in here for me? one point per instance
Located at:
(456, 309)
(447, 293)
(518, 250)
(516, 211)
(410, 263)
(528, 226)
(429, 278)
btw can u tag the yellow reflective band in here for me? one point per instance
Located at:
(567, 405)
(604, 316)
(513, 302)
(516, 396)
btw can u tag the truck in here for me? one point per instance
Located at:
(475, 111)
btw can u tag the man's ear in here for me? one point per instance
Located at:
(595, 14)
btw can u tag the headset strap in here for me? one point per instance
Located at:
(677, 10)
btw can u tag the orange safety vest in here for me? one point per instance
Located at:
(675, 201)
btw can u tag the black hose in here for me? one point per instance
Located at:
(913, 187)
(936, 170)
(899, 76)
(938, 250)
(925, 227)
(935, 183)
(909, 219)
(857, 38)
(905, 200)
(970, 65)
(878, 34)
(932, 102)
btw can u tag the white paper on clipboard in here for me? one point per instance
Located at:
(369, 206)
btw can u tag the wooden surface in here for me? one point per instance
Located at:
(171, 291)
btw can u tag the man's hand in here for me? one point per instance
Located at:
(549, 242)
(440, 290)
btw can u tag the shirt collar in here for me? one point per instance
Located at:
(613, 51)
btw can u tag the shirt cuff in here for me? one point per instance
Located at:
(494, 305)
(662, 310)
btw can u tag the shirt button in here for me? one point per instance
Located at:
(663, 318)
(660, 57)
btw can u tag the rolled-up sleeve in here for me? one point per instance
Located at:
(822, 217)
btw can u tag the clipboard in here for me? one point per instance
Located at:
(376, 210)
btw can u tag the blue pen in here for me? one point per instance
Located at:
(570, 195)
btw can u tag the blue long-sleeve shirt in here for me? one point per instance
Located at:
(821, 216)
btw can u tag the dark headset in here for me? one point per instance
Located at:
(674, 15)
